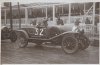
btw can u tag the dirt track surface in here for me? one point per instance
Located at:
(33, 54)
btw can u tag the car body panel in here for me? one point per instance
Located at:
(7, 33)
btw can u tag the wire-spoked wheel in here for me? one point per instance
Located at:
(84, 43)
(22, 40)
(69, 44)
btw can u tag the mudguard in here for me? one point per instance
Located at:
(24, 32)
(70, 33)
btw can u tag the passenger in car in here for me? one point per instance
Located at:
(38, 29)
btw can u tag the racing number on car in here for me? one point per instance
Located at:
(39, 31)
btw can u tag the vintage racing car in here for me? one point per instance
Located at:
(58, 34)
(7, 33)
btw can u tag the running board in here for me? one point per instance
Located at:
(39, 39)
(49, 39)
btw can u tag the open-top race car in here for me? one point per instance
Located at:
(7, 33)
(58, 34)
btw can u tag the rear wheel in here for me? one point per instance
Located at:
(23, 41)
(13, 36)
(69, 44)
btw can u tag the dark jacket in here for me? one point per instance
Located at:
(60, 22)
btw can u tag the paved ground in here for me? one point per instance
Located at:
(11, 54)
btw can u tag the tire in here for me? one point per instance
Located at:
(84, 43)
(13, 36)
(23, 41)
(70, 44)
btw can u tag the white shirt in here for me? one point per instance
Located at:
(76, 28)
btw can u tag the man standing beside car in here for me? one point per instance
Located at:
(59, 21)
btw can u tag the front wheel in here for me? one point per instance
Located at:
(22, 40)
(69, 44)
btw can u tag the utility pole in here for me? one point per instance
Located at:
(19, 16)
(69, 15)
(46, 12)
(11, 22)
(5, 17)
(93, 13)
(53, 13)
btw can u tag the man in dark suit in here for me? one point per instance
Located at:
(59, 21)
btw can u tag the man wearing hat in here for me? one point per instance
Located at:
(76, 27)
